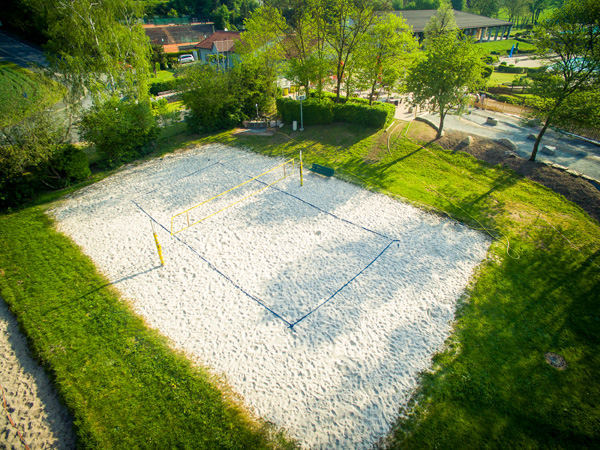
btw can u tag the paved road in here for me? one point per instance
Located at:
(18, 51)
(573, 153)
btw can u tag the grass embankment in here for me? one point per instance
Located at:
(491, 387)
(24, 92)
(123, 384)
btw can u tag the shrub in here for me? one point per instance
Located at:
(508, 99)
(121, 130)
(71, 164)
(510, 69)
(324, 110)
(162, 86)
(487, 71)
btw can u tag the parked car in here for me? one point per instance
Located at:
(183, 59)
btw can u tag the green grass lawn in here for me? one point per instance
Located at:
(24, 92)
(162, 75)
(503, 46)
(497, 78)
(489, 388)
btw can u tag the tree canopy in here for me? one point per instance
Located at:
(572, 35)
(445, 73)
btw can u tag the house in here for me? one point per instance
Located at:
(219, 48)
(176, 38)
(481, 28)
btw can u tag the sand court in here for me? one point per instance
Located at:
(369, 284)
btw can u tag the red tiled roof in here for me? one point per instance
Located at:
(224, 40)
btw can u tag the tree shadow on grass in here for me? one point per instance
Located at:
(68, 302)
(499, 392)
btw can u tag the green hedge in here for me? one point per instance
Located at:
(323, 110)
(510, 69)
(162, 86)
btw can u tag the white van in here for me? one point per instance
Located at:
(183, 59)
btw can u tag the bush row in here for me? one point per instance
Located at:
(162, 86)
(66, 167)
(509, 69)
(323, 110)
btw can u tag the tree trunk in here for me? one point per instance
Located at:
(372, 93)
(441, 127)
(539, 139)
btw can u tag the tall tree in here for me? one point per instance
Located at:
(348, 21)
(536, 7)
(486, 8)
(442, 22)
(385, 53)
(516, 8)
(263, 44)
(459, 5)
(101, 41)
(573, 35)
(445, 73)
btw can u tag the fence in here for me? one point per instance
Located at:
(493, 105)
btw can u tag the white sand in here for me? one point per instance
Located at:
(31, 401)
(338, 378)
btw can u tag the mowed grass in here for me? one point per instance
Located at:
(503, 46)
(162, 75)
(489, 388)
(497, 78)
(24, 92)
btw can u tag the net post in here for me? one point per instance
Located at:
(301, 177)
(158, 247)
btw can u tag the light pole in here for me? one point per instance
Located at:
(301, 97)
(256, 111)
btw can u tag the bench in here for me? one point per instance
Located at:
(323, 170)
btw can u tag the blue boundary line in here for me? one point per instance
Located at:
(234, 284)
(212, 266)
(347, 283)
(310, 204)
(179, 179)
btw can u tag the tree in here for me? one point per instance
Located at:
(262, 44)
(445, 73)
(515, 8)
(347, 20)
(121, 129)
(459, 5)
(102, 42)
(536, 7)
(220, 17)
(442, 22)
(158, 56)
(384, 53)
(573, 35)
(221, 100)
(486, 8)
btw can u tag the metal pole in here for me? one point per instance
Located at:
(301, 178)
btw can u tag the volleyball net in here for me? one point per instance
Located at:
(197, 213)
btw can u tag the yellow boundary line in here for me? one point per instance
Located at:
(186, 212)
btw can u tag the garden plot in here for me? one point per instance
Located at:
(369, 284)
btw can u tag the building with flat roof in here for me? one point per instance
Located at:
(481, 28)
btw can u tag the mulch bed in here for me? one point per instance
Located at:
(574, 188)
